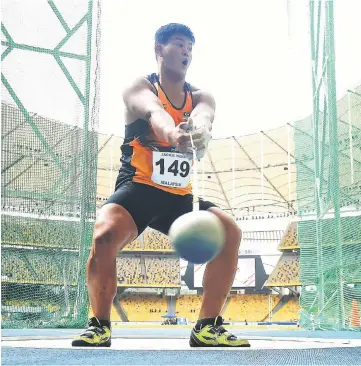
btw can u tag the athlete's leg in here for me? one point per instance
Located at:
(218, 277)
(125, 215)
(114, 229)
(217, 282)
(219, 273)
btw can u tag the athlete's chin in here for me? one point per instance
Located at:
(182, 73)
(179, 72)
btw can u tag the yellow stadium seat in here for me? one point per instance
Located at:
(286, 272)
(288, 312)
(249, 307)
(144, 308)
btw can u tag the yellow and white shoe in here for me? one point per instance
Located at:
(96, 335)
(210, 333)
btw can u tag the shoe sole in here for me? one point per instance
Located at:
(218, 345)
(79, 343)
(193, 340)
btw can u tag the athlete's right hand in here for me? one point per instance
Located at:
(179, 138)
(185, 138)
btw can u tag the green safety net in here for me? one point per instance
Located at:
(330, 246)
(328, 166)
(50, 103)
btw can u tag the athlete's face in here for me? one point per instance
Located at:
(176, 55)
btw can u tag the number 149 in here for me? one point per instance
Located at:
(182, 170)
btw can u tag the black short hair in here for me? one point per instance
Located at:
(163, 34)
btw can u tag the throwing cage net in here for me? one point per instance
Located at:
(328, 164)
(50, 78)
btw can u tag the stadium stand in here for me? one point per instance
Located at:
(25, 304)
(249, 307)
(129, 270)
(134, 245)
(148, 270)
(37, 267)
(288, 312)
(240, 308)
(289, 239)
(13, 269)
(37, 232)
(286, 272)
(150, 240)
(188, 307)
(144, 308)
(155, 240)
(165, 271)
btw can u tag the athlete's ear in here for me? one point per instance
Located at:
(159, 50)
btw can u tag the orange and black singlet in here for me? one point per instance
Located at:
(148, 160)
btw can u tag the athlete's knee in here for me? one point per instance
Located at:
(233, 235)
(236, 233)
(233, 231)
(105, 233)
(112, 231)
(103, 246)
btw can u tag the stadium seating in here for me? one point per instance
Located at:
(154, 240)
(240, 308)
(289, 239)
(24, 304)
(55, 233)
(36, 266)
(249, 307)
(13, 268)
(144, 308)
(288, 312)
(36, 232)
(188, 307)
(129, 270)
(148, 270)
(134, 245)
(165, 271)
(286, 272)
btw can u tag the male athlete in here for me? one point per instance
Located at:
(153, 189)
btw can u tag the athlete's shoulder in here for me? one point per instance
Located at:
(193, 88)
(140, 83)
(200, 95)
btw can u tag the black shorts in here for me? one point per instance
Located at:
(150, 206)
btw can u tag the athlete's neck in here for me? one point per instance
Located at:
(172, 83)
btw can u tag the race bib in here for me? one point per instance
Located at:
(171, 169)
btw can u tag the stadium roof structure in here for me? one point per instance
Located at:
(245, 175)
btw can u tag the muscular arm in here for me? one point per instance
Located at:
(204, 109)
(142, 103)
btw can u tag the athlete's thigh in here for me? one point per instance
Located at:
(180, 206)
(140, 200)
